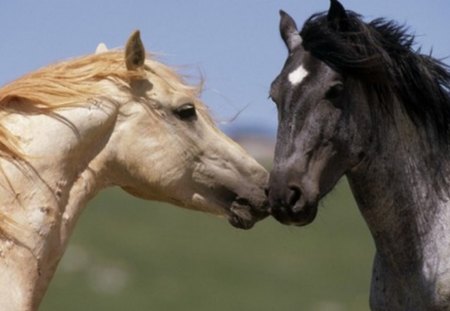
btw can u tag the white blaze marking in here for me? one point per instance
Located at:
(297, 75)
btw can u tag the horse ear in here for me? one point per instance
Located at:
(134, 51)
(289, 32)
(337, 16)
(101, 48)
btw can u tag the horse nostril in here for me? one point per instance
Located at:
(266, 191)
(242, 201)
(293, 195)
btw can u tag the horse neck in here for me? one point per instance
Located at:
(41, 198)
(407, 211)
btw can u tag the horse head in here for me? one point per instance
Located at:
(321, 132)
(167, 148)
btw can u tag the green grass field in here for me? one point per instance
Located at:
(129, 254)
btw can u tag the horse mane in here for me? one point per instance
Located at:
(381, 55)
(75, 82)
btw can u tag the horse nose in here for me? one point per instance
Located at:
(288, 197)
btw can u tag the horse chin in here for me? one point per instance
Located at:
(241, 223)
(243, 215)
(296, 215)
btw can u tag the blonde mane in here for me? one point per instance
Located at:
(72, 83)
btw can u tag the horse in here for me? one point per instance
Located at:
(356, 98)
(115, 118)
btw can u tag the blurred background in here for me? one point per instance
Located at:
(128, 254)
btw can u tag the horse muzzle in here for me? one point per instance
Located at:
(292, 206)
(244, 215)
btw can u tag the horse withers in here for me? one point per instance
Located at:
(356, 99)
(114, 118)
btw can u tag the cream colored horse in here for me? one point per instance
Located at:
(71, 129)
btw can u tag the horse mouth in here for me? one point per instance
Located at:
(298, 215)
(244, 215)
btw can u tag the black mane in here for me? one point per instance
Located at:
(381, 55)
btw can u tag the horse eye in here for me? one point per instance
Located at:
(186, 111)
(335, 91)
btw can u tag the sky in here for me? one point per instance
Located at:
(234, 45)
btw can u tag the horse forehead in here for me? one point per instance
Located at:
(297, 75)
(298, 66)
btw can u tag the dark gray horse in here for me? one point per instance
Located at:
(356, 99)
